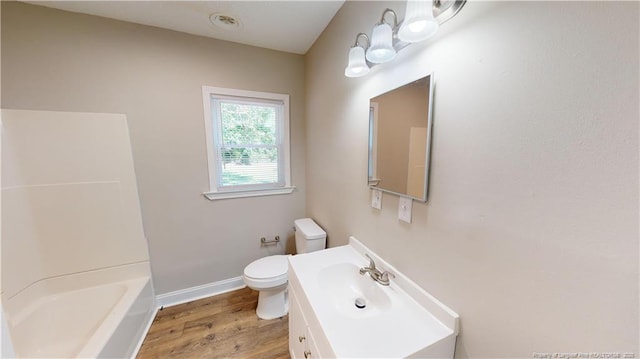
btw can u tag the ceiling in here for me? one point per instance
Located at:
(291, 26)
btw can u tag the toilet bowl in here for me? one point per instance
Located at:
(268, 275)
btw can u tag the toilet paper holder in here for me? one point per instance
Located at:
(265, 242)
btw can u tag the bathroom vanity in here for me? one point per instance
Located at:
(337, 312)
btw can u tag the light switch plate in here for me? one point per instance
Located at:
(404, 209)
(376, 199)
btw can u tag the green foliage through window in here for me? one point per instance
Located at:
(248, 124)
(249, 148)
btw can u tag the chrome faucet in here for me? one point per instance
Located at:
(375, 274)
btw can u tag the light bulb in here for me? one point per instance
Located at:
(417, 26)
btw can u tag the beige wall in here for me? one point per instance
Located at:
(531, 228)
(55, 60)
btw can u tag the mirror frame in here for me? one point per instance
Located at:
(372, 152)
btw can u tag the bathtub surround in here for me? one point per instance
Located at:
(72, 236)
(69, 193)
(6, 350)
(531, 229)
(57, 60)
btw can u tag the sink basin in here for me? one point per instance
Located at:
(396, 321)
(344, 285)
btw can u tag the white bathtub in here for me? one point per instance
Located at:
(87, 315)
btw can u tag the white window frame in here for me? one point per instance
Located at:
(212, 129)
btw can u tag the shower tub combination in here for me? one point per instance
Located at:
(93, 314)
(75, 260)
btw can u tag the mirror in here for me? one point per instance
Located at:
(400, 139)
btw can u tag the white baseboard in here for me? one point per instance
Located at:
(199, 292)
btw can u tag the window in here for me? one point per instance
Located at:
(247, 143)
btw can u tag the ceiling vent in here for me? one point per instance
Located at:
(225, 21)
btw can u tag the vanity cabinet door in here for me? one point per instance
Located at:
(312, 349)
(302, 344)
(297, 328)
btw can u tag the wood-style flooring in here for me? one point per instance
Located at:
(223, 326)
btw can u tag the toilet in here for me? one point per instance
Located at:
(269, 277)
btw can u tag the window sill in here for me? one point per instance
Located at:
(212, 196)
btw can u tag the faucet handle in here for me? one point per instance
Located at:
(372, 264)
(384, 277)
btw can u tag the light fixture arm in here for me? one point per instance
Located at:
(395, 17)
(444, 11)
(357, 43)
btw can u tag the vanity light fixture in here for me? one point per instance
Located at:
(357, 63)
(422, 20)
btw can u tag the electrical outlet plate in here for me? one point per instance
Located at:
(404, 209)
(376, 199)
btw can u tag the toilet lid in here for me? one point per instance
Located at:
(267, 267)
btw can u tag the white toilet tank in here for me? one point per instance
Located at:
(309, 236)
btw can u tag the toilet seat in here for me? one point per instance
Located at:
(267, 272)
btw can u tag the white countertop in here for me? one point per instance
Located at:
(404, 327)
